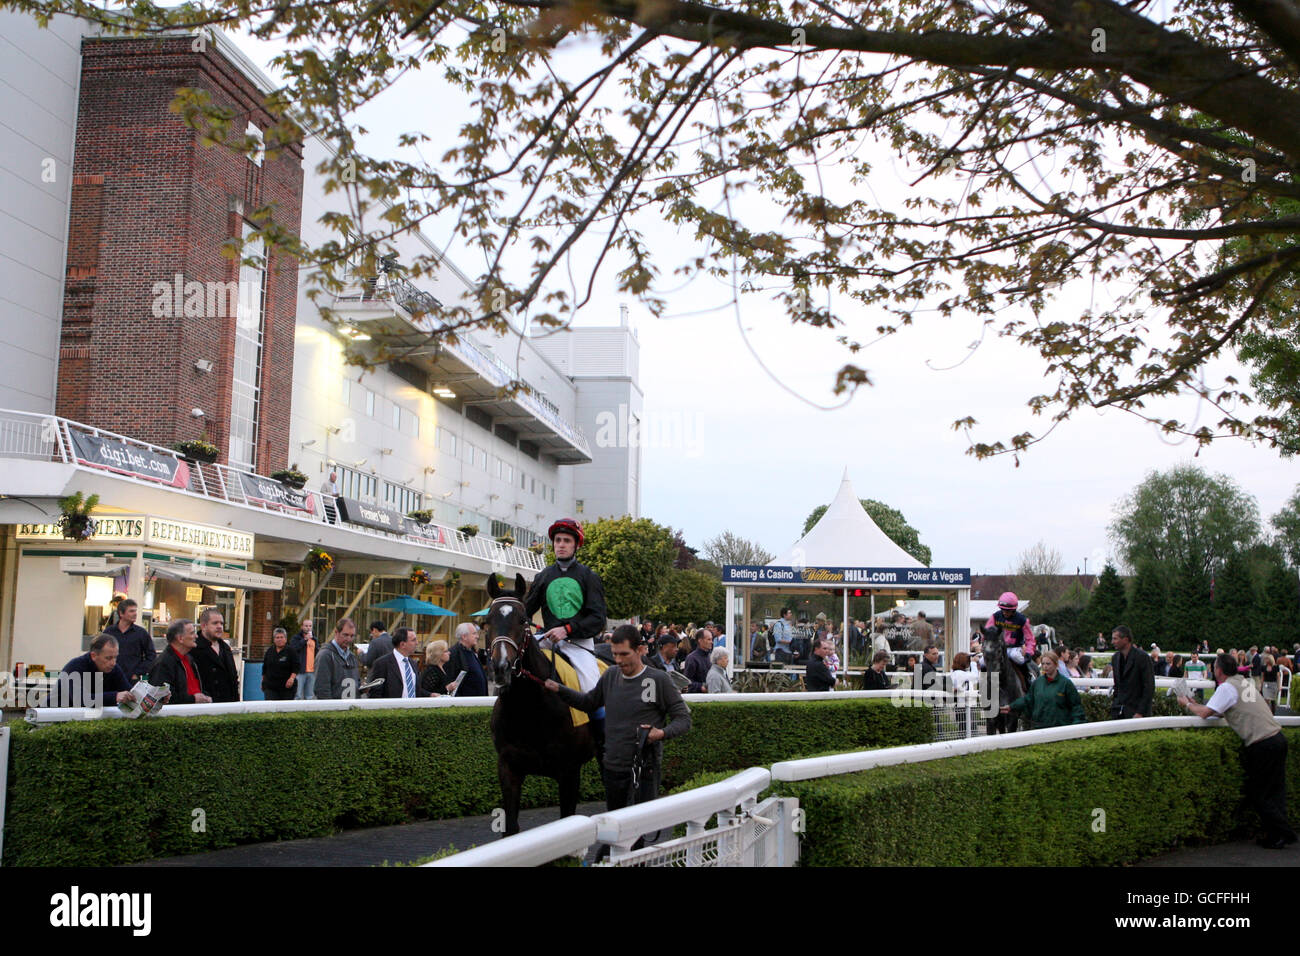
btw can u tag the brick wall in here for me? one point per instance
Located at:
(150, 201)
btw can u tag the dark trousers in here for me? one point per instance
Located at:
(1265, 766)
(782, 655)
(618, 794)
(281, 693)
(618, 788)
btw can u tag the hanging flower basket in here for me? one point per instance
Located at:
(424, 516)
(319, 560)
(506, 539)
(291, 477)
(468, 530)
(420, 576)
(75, 521)
(537, 547)
(197, 450)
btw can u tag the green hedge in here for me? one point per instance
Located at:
(117, 791)
(1036, 806)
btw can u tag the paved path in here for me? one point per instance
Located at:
(1238, 853)
(412, 841)
(395, 844)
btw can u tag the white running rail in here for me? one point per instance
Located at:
(543, 844)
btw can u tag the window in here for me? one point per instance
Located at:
(345, 392)
(447, 441)
(483, 460)
(246, 378)
(355, 484)
(256, 134)
(401, 498)
(469, 453)
(508, 471)
(370, 403)
(397, 416)
(523, 482)
(552, 496)
(532, 486)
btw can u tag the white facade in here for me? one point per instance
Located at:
(40, 71)
(390, 440)
(603, 363)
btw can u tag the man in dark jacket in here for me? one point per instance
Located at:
(396, 669)
(665, 659)
(381, 643)
(463, 667)
(175, 668)
(76, 689)
(931, 678)
(1135, 681)
(818, 676)
(697, 663)
(135, 651)
(214, 659)
(279, 667)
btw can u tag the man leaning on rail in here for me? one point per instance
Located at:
(1263, 750)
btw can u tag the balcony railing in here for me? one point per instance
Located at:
(25, 435)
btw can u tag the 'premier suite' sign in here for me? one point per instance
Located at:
(386, 519)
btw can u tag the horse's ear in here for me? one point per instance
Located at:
(493, 590)
(521, 586)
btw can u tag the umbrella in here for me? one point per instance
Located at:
(482, 612)
(409, 605)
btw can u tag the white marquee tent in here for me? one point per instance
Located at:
(845, 551)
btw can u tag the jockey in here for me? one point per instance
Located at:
(1014, 628)
(572, 601)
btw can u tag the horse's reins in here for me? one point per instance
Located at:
(519, 667)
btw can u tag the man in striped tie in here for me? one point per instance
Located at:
(396, 670)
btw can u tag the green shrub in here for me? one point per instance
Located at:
(1035, 806)
(1097, 706)
(116, 791)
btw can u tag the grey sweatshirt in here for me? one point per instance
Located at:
(648, 698)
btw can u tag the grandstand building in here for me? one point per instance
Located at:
(128, 330)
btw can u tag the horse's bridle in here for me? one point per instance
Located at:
(520, 649)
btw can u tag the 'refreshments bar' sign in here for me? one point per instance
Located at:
(123, 459)
(268, 491)
(184, 535)
(386, 519)
(845, 577)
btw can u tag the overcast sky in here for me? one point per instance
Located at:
(730, 449)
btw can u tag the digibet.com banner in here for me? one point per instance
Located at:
(845, 577)
(117, 456)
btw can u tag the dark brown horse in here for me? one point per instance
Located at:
(1009, 679)
(531, 727)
